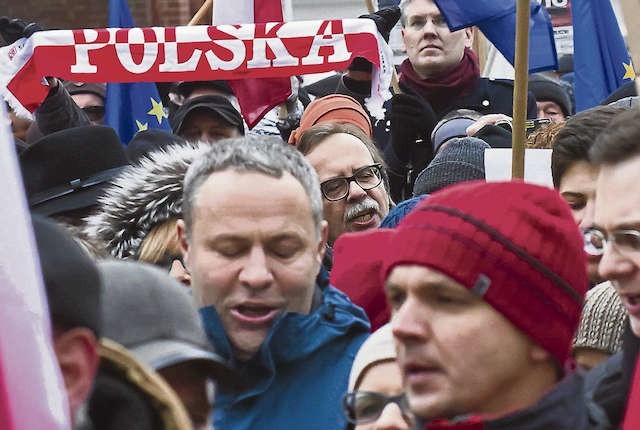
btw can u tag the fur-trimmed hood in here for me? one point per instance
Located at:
(142, 197)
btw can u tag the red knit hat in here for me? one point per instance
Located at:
(512, 243)
(334, 107)
(515, 244)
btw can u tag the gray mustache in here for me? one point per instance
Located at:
(359, 208)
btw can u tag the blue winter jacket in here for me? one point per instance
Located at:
(299, 375)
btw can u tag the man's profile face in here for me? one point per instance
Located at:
(578, 187)
(253, 252)
(207, 126)
(432, 49)
(457, 354)
(618, 208)
(360, 210)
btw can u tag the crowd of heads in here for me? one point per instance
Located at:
(216, 275)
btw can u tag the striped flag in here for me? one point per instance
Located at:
(32, 395)
(255, 96)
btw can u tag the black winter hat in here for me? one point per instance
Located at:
(68, 170)
(461, 160)
(546, 89)
(147, 141)
(71, 278)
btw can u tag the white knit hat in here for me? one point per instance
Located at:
(378, 347)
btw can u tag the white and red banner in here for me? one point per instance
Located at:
(166, 54)
(255, 96)
(32, 393)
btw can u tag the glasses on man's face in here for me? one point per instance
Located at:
(94, 113)
(362, 407)
(626, 241)
(366, 177)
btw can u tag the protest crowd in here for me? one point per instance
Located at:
(323, 264)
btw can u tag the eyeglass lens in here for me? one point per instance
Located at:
(364, 406)
(625, 240)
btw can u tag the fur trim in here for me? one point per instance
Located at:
(142, 197)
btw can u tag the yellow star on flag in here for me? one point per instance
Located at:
(158, 110)
(629, 72)
(141, 126)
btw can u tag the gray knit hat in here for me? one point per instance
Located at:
(461, 160)
(602, 320)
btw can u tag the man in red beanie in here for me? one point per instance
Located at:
(486, 283)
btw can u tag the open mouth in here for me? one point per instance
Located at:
(254, 313)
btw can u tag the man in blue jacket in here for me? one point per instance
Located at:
(253, 239)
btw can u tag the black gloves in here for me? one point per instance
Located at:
(14, 29)
(385, 20)
(412, 120)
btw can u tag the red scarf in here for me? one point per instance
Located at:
(442, 89)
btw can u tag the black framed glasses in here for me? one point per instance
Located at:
(362, 407)
(366, 177)
(626, 241)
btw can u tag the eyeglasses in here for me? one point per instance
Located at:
(366, 177)
(362, 407)
(626, 241)
(94, 113)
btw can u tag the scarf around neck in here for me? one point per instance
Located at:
(442, 89)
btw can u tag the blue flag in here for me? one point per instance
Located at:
(132, 107)
(600, 58)
(497, 20)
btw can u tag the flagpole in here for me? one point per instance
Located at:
(520, 89)
(394, 76)
(203, 12)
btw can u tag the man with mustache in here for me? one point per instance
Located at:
(352, 177)
(252, 238)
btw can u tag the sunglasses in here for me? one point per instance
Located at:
(362, 407)
(94, 113)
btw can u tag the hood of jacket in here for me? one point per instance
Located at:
(142, 197)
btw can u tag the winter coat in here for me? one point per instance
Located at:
(142, 197)
(572, 404)
(299, 375)
(129, 395)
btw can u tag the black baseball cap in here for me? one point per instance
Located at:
(218, 104)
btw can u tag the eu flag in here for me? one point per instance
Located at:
(600, 58)
(497, 20)
(136, 106)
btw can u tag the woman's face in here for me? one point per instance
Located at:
(385, 378)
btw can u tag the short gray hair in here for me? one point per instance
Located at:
(252, 153)
(403, 12)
